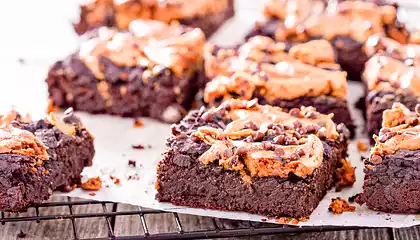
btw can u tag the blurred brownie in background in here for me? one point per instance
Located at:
(347, 25)
(306, 75)
(153, 69)
(208, 15)
(392, 74)
(392, 179)
(242, 156)
(37, 157)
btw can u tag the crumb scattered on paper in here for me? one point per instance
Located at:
(338, 206)
(138, 146)
(21, 234)
(138, 123)
(345, 175)
(362, 146)
(92, 194)
(132, 163)
(92, 184)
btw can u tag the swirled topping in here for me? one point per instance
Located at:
(125, 11)
(148, 43)
(265, 140)
(17, 141)
(262, 67)
(400, 130)
(387, 73)
(303, 19)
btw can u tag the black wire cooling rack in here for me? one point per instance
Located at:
(110, 214)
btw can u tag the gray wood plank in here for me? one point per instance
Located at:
(412, 233)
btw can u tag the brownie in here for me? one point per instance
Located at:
(346, 25)
(392, 179)
(261, 68)
(391, 75)
(242, 156)
(153, 69)
(208, 15)
(37, 157)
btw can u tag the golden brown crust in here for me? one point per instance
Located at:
(262, 65)
(147, 43)
(400, 130)
(300, 157)
(128, 10)
(355, 19)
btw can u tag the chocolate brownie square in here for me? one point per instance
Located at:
(37, 157)
(306, 75)
(242, 156)
(208, 15)
(154, 69)
(392, 179)
(346, 25)
(391, 75)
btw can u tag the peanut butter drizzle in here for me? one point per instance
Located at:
(126, 11)
(262, 64)
(147, 43)
(386, 73)
(379, 43)
(355, 19)
(17, 141)
(235, 154)
(404, 131)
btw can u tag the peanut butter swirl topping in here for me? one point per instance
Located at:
(17, 141)
(262, 67)
(309, 18)
(400, 130)
(148, 43)
(125, 11)
(265, 140)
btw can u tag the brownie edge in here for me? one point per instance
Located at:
(27, 179)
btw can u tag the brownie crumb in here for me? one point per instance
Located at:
(138, 146)
(92, 194)
(345, 175)
(263, 219)
(117, 181)
(21, 234)
(21, 61)
(138, 123)
(134, 177)
(352, 198)
(362, 146)
(92, 184)
(289, 220)
(132, 163)
(338, 206)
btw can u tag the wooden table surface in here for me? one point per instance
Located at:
(24, 25)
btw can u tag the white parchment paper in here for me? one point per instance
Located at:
(23, 87)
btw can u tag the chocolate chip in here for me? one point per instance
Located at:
(311, 128)
(295, 112)
(251, 125)
(292, 141)
(417, 109)
(294, 157)
(241, 151)
(279, 139)
(376, 159)
(279, 151)
(296, 135)
(301, 130)
(300, 152)
(228, 153)
(267, 145)
(271, 126)
(249, 139)
(311, 115)
(207, 116)
(297, 124)
(322, 135)
(257, 136)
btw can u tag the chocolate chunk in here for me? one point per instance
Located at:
(375, 159)
(312, 115)
(267, 145)
(384, 137)
(251, 125)
(295, 112)
(300, 152)
(297, 124)
(292, 141)
(279, 139)
(294, 157)
(257, 136)
(279, 151)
